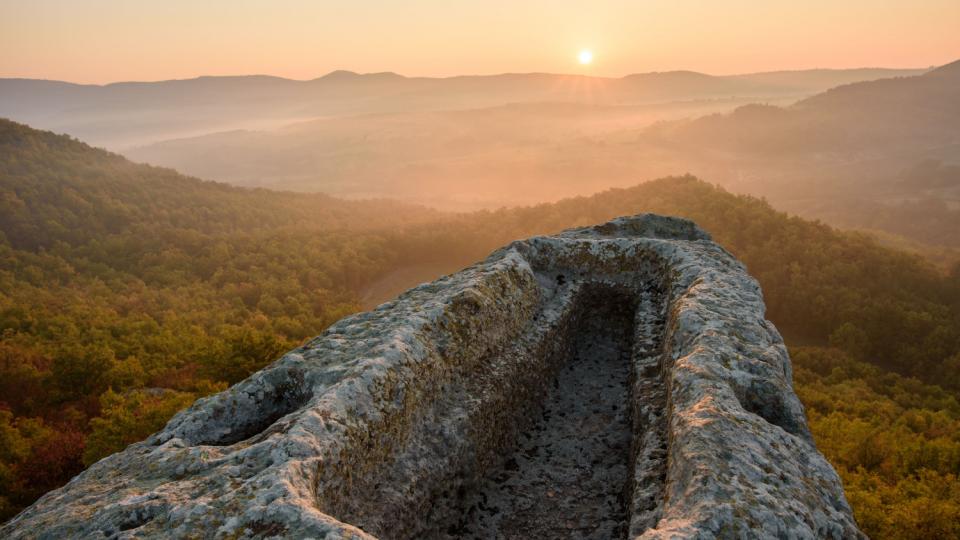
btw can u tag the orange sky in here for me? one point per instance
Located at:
(109, 40)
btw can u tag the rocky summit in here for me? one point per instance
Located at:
(617, 381)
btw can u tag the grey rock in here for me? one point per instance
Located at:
(612, 381)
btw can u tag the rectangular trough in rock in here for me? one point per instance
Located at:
(567, 475)
(613, 381)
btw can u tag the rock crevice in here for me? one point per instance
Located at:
(617, 381)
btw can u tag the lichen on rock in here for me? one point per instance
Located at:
(617, 381)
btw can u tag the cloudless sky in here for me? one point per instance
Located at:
(110, 40)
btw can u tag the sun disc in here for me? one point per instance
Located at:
(585, 56)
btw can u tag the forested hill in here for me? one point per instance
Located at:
(54, 188)
(897, 114)
(128, 291)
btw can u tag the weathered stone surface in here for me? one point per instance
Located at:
(614, 381)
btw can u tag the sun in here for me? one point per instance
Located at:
(585, 57)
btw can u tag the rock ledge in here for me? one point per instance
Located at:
(617, 381)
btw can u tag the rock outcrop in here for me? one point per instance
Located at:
(617, 381)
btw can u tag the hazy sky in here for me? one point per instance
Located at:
(110, 40)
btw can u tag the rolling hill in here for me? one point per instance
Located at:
(50, 179)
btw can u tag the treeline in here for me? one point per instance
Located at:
(109, 325)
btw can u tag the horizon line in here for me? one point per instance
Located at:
(348, 72)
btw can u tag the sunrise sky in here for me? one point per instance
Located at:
(97, 41)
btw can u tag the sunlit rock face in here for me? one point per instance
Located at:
(617, 381)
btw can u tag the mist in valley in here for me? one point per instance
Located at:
(873, 149)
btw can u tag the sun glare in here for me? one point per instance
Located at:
(585, 57)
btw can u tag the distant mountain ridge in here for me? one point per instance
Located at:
(124, 114)
(799, 75)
